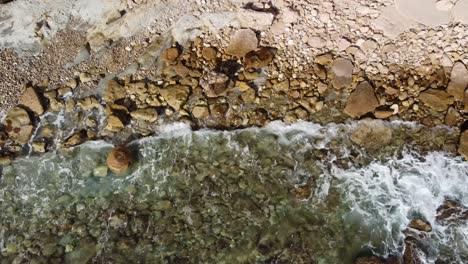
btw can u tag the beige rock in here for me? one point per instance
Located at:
(175, 95)
(31, 100)
(85, 77)
(383, 114)
(72, 83)
(200, 112)
(458, 81)
(114, 123)
(452, 117)
(39, 147)
(170, 55)
(18, 125)
(209, 53)
(89, 103)
(147, 114)
(324, 59)
(463, 146)
(282, 86)
(438, 100)
(114, 91)
(465, 109)
(119, 160)
(372, 134)
(90, 122)
(420, 225)
(361, 101)
(341, 73)
(75, 139)
(242, 42)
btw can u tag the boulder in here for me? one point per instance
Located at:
(209, 53)
(170, 54)
(420, 225)
(242, 42)
(341, 73)
(259, 58)
(438, 100)
(458, 81)
(114, 91)
(200, 112)
(463, 145)
(75, 139)
(413, 253)
(372, 134)
(31, 100)
(18, 125)
(175, 95)
(451, 211)
(361, 101)
(147, 114)
(114, 123)
(119, 160)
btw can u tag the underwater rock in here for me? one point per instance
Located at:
(75, 139)
(119, 160)
(369, 260)
(372, 134)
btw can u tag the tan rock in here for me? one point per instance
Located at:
(420, 225)
(324, 59)
(372, 134)
(85, 77)
(175, 95)
(147, 114)
(259, 58)
(438, 100)
(39, 147)
(458, 81)
(72, 83)
(200, 112)
(361, 101)
(282, 86)
(341, 73)
(170, 55)
(452, 117)
(88, 103)
(463, 145)
(114, 91)
(383, 114)
(114, 123)
(209, 53)
(413, 254)
(18, 125)
(119, 160)
(75, 139)
(5, 160)
(465, 109)
(242, 42)
(31, 100)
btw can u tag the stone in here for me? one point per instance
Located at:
(420, 225)
(200, 112)
(383, 114)
(90, 122)
(89, 103)
(361, 101)
(114, 91)
(175, 95)
(163, 205)
(413, 254)
(31, 100)
(242, 42)
(114, 123)
(215, 84)
(369, 260)
(438, 100)
(72, 83)
(259, 58)
(463, 145)
(85, 77)
(282, 86)
(255, 20)
(39, 147)
(100, 171)
(209, 53)
(341, 73)
(75, 139)
(83, 252)
(146, 114)
(458, 81)
(451, 211)
(372, 134)
(324, 59)
(5, 160)
(170, 54)
(452, 117)
(465, 109)
(18, 125)
(119, 160)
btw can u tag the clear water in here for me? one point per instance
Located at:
(230, 197)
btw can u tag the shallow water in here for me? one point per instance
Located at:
(301, 193)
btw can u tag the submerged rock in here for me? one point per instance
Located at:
(372, 134)
(119, 160)
(369, 260)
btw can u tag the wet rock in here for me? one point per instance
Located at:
(75, 139)
(372, 134)
(83, 252)
(100, 171)
(175, 95)
(200, 112)
(242, 42)
(147, 114)
(170, 55)
(438, 100)
(420, 225)
(18, 125)
(452, 117)
(413, 253)
(31, 100)
(209, 53)
(119, 160)
(162, 205)
(361, 101)
(89, 103)
(341, 73)
(114, 123)
(383, 113)
(451, 211)
(259, 58)
(463, 145)
(458, 81)
(39, 147)
(114, 91)
(369, 260)
(5, 160)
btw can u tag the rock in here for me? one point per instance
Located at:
(114, 123)
(438, 100)
(369, 260)
(282, 86)
(72, 83)
(39, 147)
(372, 134)
(383, 114)
(361, 101)
(5, 160)
(89, 103)
(324, 59)
(255, 20)
(413, 254)
(209, 53)
(18, 125)
(119, 160)
(31, 100)
(215, 84)
(175, 95)
(100, 171)
(420, 225)
(114, 91)
(259, 58)
(90, 122)
(465, 109)
(83, 252)
(85, 77)
(463, 145)
(147, 114)
(341, 73)
(200, 112)
(242, 42)
(458, 81)
(170, 54)
(452, 117)
(163, 205)
(451, 211)
(75, 139)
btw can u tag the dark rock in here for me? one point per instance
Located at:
(451, 211)
(420, 225)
